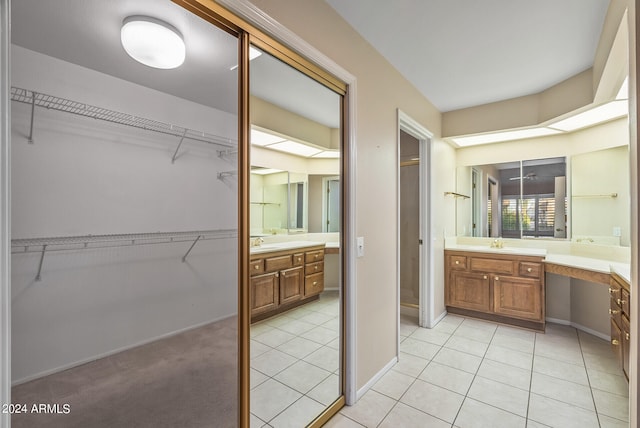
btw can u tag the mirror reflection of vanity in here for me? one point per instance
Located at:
(583, 197)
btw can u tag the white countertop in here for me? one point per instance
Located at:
(282, 246)
(520, 251)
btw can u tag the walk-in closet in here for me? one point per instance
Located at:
(124, 221)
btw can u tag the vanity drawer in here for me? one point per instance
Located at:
(531, 270)
(256, 267)
(314, 256)
(278, 263)
(625, 302)
(313, 284)
(298, 259)
(312, 268)
(458, 262)
(615, 311)
(479, 264)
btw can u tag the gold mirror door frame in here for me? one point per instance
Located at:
(249, 34)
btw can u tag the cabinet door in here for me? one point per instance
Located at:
(517, 297)
(626, 345)
(291, 285)
(264, 293)
(616, 341)
(469, 291)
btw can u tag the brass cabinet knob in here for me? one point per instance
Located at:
(613, 290)
(615, 342)
(316, 267)
(621, 302)
(484, 277)
(317, 255)
(613, 311)
(627, 336)
(529, 270)
(315, 282)
(457, 262)
(497, 278)
(256, 267)
(299, 259)
(277, 274)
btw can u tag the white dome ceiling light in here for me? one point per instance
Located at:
(152, 42)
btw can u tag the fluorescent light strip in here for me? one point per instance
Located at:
(328, 154)
(295, 148)
(504, 136)
(265, 171)
(259, 138)
(603, 113)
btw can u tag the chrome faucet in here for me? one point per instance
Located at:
(256, 242)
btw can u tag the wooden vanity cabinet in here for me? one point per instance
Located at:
(281, 280)
(499, 287)
(619, 293)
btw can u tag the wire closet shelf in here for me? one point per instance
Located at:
(86, 110)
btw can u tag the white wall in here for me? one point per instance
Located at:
(83, 177)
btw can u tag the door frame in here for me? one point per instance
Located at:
(325, 200)
(427, 279)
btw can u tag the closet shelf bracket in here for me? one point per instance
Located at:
(33, 111)
(184, 258)
(38, 275)
(224, 174)
(175, 154)
(227, 152)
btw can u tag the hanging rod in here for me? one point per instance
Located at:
(62, 104)
(37, 245)
(606, 195)
(456, 195)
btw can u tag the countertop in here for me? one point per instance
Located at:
(282, 246)
(519, 251)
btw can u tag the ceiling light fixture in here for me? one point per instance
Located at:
(152, 42)
(328, 154)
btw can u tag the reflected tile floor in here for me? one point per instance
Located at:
(471, 373)
(294, 364)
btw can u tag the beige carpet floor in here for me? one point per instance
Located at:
(188, 380)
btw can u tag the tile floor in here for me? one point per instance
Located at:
(470, 373)
(294, 364)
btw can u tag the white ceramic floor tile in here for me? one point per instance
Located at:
(431, 399)
(418, 348)
(430, 335)
(404, 416)
(341, 421)
(316, 318)
(607, 364)
(480, 324)
(256, 422)
(393, 384)
(499, 395)
(447, 377)
(325, 358)
(296, 327)
(520, 333)
(561, 370)
(327, 391)
(515, 343)
(473, 332)
(469, 346)
(299, 347)
(609, 382)
(272, 362)
(410, 364)
(508, 356)
(552, 329)
(458, 360)
(558, 414)
(259, 328)
(611, 405)
(475, 414)
(299, 414)
(607, 422)
(274, 338)
(504, 373)
(370, 409)
(566, 354)
(562, 390)
(320, 335)
(256, 348)
(278, 320)
(302, 376)
(256, 378)
(271, 398)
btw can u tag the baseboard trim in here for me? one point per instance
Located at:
(438, 319)
(113, 352)
(376, 378)
(579, 327)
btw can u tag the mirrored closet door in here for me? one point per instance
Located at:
(124, 217)
(295, 266)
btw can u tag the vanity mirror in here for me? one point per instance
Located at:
(584, 197)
